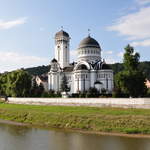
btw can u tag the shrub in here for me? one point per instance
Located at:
(92, 92)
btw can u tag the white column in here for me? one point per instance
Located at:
(93, 77)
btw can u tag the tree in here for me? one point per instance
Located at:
(131, 81)
(3, 84)
(64, 84)
(18, 84)
(130, 59)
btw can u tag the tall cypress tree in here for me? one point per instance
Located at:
(131, 81)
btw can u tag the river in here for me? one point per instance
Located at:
(15, 137)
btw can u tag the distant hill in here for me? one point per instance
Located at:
(38, 70)
(144, 67)
(117, 67)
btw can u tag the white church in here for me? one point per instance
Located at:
(89, 70)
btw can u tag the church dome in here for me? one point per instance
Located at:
(89, 42)
(89, 50)
(61, 33)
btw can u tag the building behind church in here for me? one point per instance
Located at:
(89, 70)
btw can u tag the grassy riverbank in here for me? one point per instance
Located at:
(81, 118)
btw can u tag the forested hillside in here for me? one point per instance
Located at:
(38, 70)
(144, 67)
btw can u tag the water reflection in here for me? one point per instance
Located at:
(23, 138)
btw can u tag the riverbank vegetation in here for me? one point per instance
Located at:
(80, 118)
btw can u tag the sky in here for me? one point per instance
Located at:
(28, 27)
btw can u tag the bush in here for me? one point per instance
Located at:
(105, 95)
(92, 92)
(82, 95)
(75, 95)
(117, 93)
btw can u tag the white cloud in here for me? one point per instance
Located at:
(120, 54)
(42, 29)
(144, 43)
(73, 54)
(135, 25)
(110, 61)
(13, 60)
(108, 52)
(143, 2)
(12, 23)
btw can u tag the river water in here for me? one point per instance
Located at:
(14, 137)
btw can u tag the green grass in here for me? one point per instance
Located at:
(82, 118)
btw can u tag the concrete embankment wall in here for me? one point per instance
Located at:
(98, 102)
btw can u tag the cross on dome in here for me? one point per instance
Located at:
(89, 32)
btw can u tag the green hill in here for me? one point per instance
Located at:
(38, 70)
(144, 66)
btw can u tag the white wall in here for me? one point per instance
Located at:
(99, 102)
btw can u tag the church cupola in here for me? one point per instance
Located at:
(62, 40)
(89, 50)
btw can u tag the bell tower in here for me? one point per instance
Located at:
(62, 40)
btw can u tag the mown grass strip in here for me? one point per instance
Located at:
(82, 118)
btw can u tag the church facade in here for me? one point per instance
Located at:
(89, 70)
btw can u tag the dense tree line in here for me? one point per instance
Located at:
(16, 84)
(143, 66)
(38, 70)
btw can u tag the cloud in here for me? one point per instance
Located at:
(144, 43)
(12, 60)
(143, 2)
(134, 26)
(42, 29)
(110, 60)
(110, 56)
(73, 54)
(13, 23)
(108, 52)
(120, 54)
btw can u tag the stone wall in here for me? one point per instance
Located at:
(98, 102)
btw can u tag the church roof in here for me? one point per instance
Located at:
(61, 33)
(54, 60)
(89, 42)
(68, 69)
(82, 67)
(43, 78)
